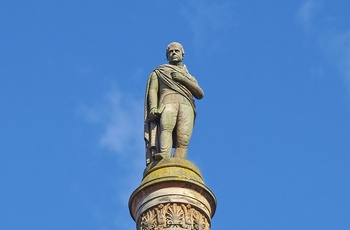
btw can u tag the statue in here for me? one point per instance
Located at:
(169, 107)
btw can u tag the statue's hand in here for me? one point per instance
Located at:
(154, 114)
(177, 77)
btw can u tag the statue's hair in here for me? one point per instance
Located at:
(174, 44)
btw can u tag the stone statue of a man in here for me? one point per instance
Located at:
(169, 107)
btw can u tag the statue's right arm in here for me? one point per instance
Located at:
(153, 93)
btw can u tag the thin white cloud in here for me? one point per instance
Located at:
(336, 48)
(120, 117)
(124, 135)
(207, 19)
(307, 12)
(123, 127)
(333, 43)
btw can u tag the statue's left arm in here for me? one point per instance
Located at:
(190, 84)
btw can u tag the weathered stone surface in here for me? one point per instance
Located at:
(172, 195)
(173, 216)
(170, 107)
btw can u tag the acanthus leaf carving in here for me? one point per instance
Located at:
(173, 215)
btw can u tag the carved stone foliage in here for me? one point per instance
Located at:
(172, 216)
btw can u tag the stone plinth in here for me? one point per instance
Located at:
(172, 195)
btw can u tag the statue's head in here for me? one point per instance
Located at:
(177, 48)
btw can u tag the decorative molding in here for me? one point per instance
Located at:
(172, 216)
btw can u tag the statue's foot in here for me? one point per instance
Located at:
(160, 156)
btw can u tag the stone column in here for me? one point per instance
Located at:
(172, 195)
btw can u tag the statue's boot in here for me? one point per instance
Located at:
(159, 156)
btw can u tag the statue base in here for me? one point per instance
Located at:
(172, 195)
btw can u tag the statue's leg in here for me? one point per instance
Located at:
(184, 128)
(167, 124)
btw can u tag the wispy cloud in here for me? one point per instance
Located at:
(336, 47)
(334, 43)
(122, 129)
(119, 116)
(207, 19)
(307, 12)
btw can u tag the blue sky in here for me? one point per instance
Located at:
(272, 131)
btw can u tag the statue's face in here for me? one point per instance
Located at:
(175, 54)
